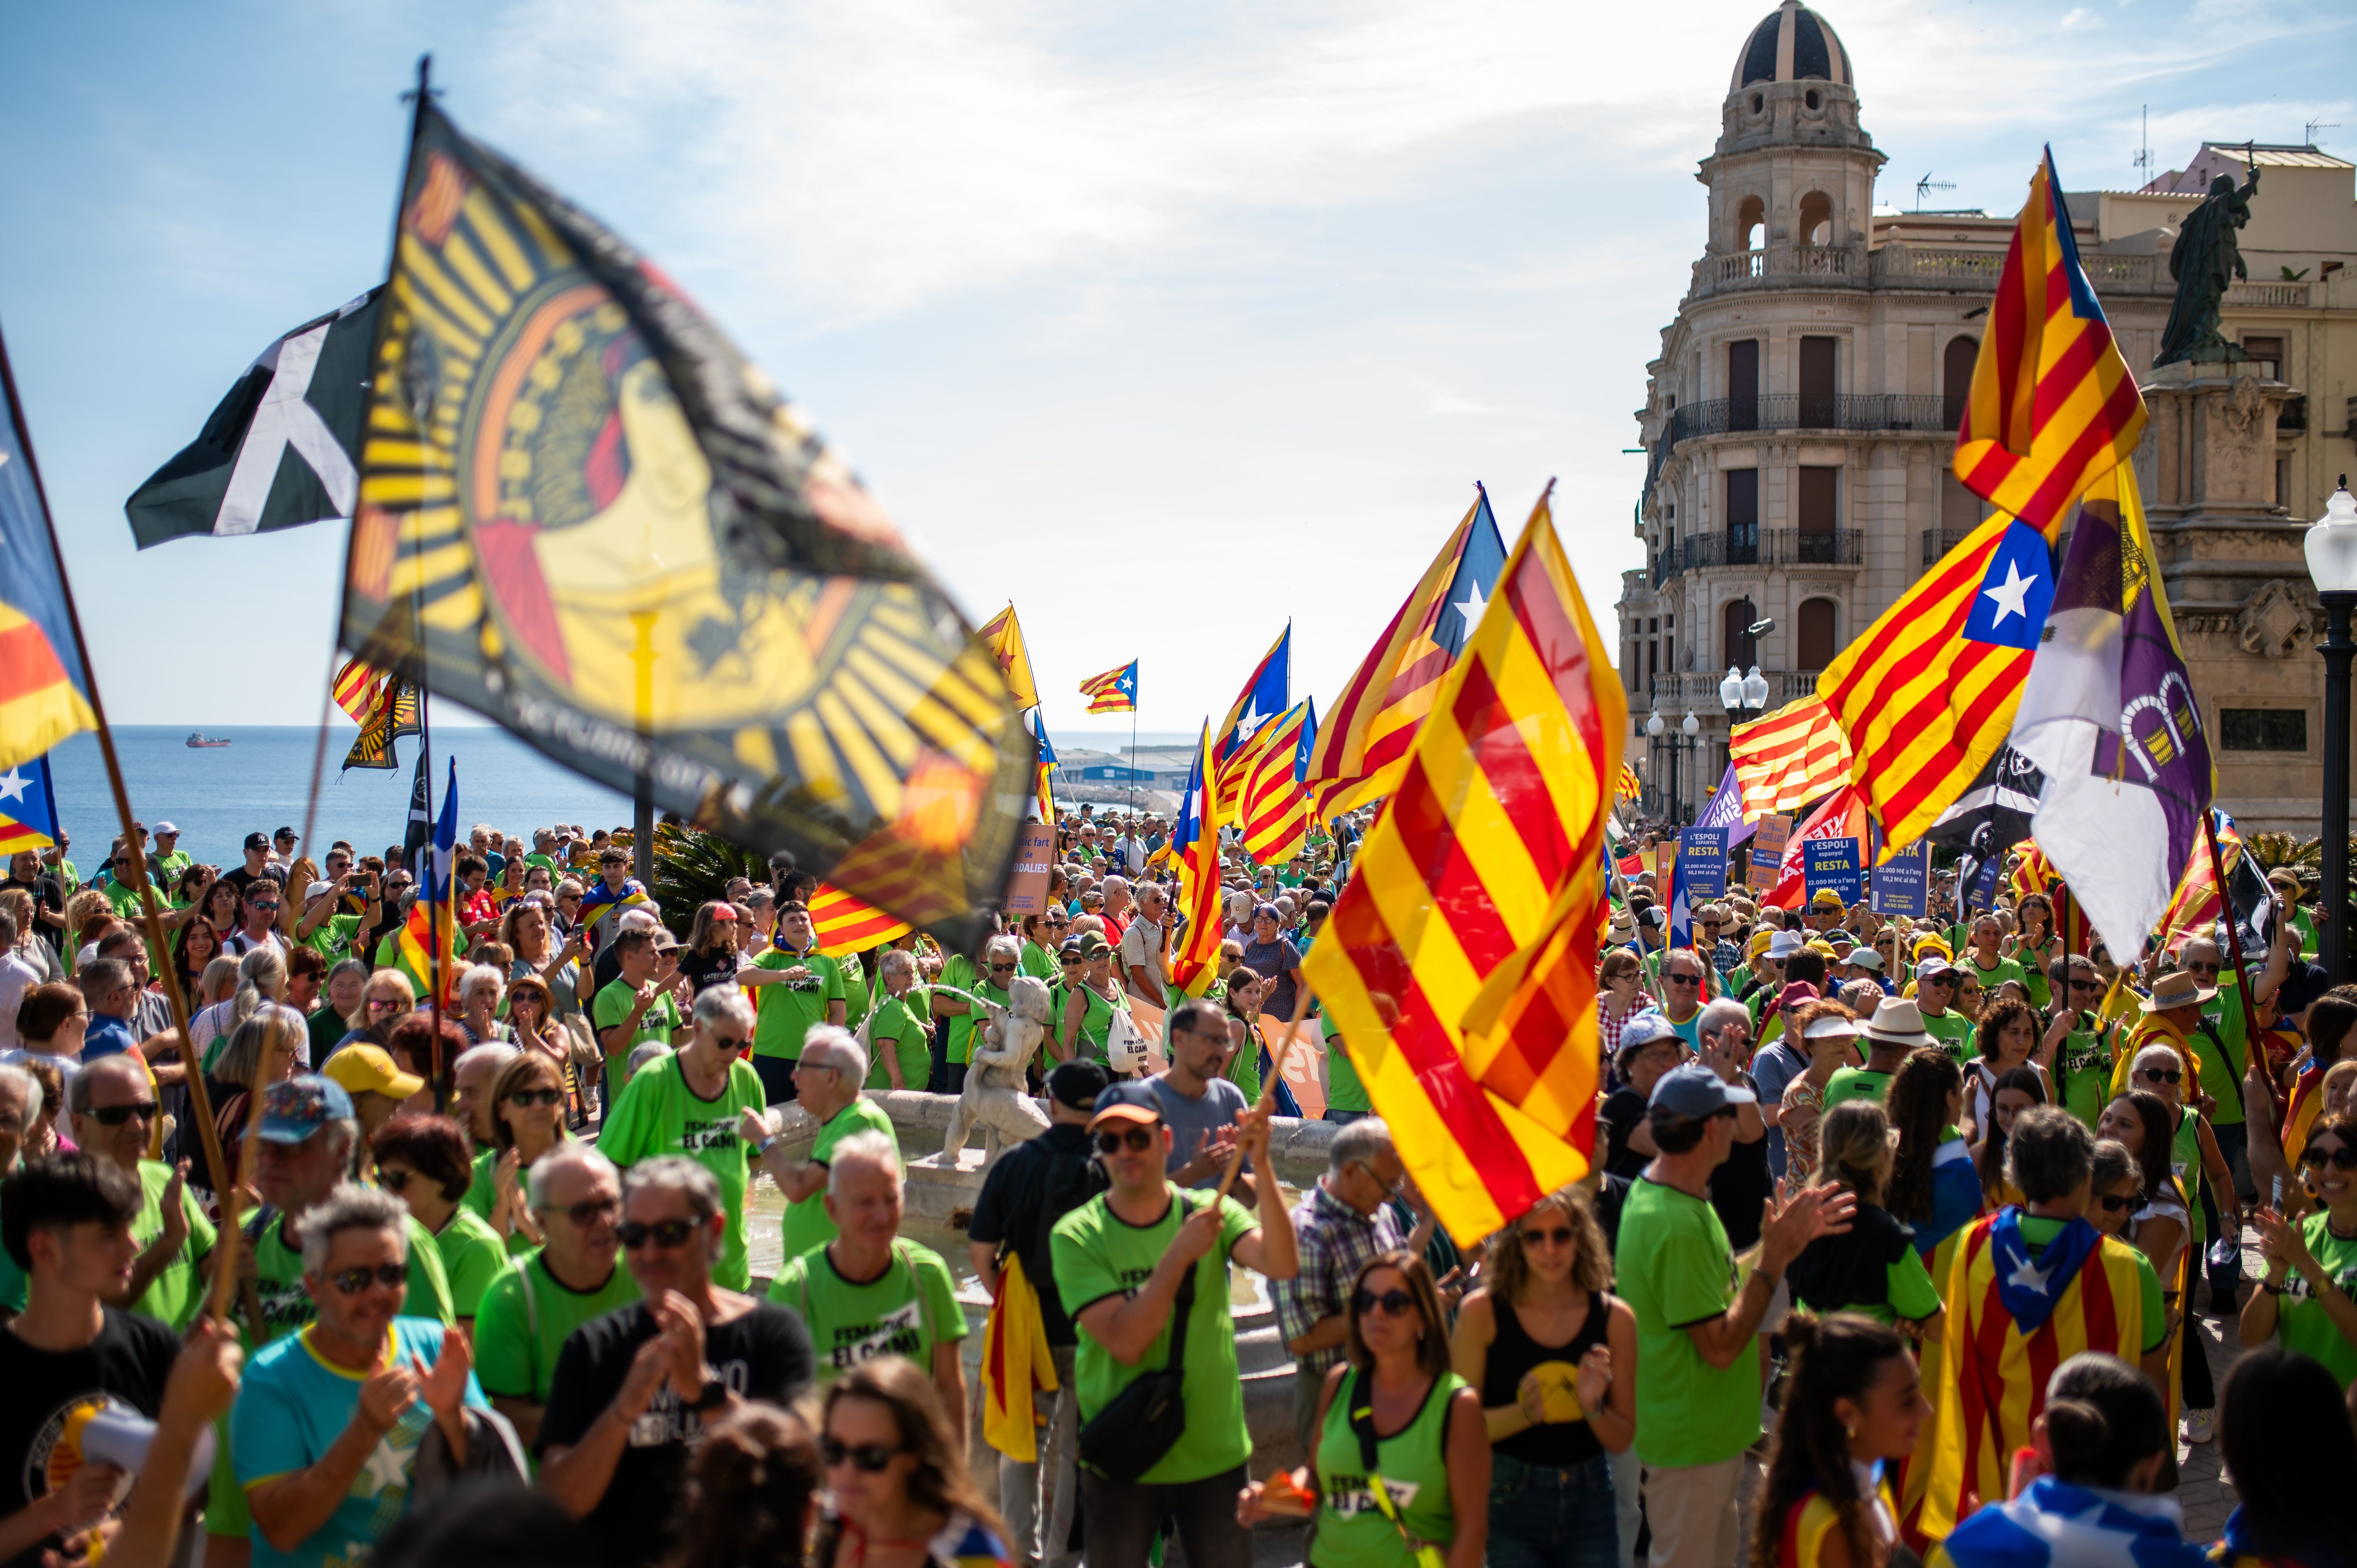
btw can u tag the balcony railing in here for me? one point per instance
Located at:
(1749, 546)
(1902, 264)
(1698, 690)
(1938, 542)
(2267, 295)
(1816, 547)
(1738, 546)
(1815, 410)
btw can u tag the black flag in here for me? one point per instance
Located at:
(418, 840)
(1987, 821)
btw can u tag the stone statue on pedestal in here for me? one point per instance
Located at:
(994, 1099)
(2207, 259)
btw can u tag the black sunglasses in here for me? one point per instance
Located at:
(537, 1097)
(869, 1457)
(1396, 1301)
(394, 1181)
(117, 1115)
(665, 1233)
(2342, 1157)
(2113, 1202)
(1560, 1236)
(351, 1282)
(589, 1212)
(2160, 1074)
(1139, 1139)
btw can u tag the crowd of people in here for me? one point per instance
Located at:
(1894, 1243)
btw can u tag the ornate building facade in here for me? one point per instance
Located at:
(1801, 416)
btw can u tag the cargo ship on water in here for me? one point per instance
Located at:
(200, 740)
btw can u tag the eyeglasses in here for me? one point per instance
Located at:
(2086, 985)
(1683, 979)
(537, 1097)
(117, 1115)
(869, 1458)
(387, 1004)
(2113, 1202)
(1136, 1139)
(665, 1234)
(590, 1210)
(2342, 1157)
(1558, 1237)
(1002, 969)
(2202, 969)
(2160, 1074)
(394, 1181)
(1395, 1303)
(351, 1282)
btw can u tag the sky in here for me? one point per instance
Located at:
(1168, 323)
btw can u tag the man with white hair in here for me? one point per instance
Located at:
(871, 1292)
(1143, 965)
(826, 1081)
(1116, 911)
(527, 1313)
(692, 1102)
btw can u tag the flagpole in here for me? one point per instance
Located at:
(2233, 935)
(199, 1103)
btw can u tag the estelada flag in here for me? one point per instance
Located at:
(1194, 846)
(1460, 963)
(28, 807)
(583, 513)
(842, 924)
(2053, 406)
(1363, 747)
(1042, 789)
(1785, 760)
(1114, 691)
(2010, 1320)
(1275, 813)
(1003, 635)
(44, 690)
(1267, 694)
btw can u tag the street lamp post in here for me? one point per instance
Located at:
(1653, 728)
(2331, 549)
(1690, 728)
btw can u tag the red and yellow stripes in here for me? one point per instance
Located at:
(1460, 961)
(1789, 758)
(2195, 905)
(2052, 406)
(1924, 708)
(40, 705)
(1003, 635)
(1274, 805)
(844, 925)
(1992, 1380)
(1362, 748)
(1194, 844)
(1113, 692)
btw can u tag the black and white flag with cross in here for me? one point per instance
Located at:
(279, 450)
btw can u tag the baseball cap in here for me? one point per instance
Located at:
(366, 1069)
(316, 889)
(1077, 1084)
(1130, 1100)
(166, 830)
(286, 833)
(1863, 957)
(1932, 967)
(1827, 898)
(1093, 944)
(1645, 1028)
(256, 840)
(296, 1108)
(1691, 1089)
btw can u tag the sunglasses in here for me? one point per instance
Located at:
(117, 1115)
(869, 1458)
(2113, 1203)
(351, 1282)
(1559, 1236)
(1683, 979)
(2202, 969)
(589, 1212)
(1002, 969)
(2341, 1157)
(666, 1234)
(1395, 1303)
(537, 1097)
(394, 1181)
(1137, 1139)
(387, 1004)
(2086, 985)
(2161, 1074)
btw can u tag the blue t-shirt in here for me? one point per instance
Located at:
(105, 1036)
(290, 1409)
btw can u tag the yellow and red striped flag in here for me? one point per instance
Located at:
(1790, 758)
(1003, 635)
(1195, 846)
(1629, 787)
(1460, 961)
(357, 688)
(2195, 905)
(844, 925)
(2036, 874)
(1363, 747)
(2053, 406)
(1114, 691)
(1275, 813)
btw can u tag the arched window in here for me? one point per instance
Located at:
(1735, 640)
(1816, 635)
(1750, 223)
(1816, 218)
(1956, 378)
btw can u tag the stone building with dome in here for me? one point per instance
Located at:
(1801, 419)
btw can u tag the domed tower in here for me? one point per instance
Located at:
(1792, 172)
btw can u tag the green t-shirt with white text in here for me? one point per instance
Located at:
(786, 1009)
(612, 1006)
(907, 1310)
(657, 1114)
(1953, 1030)
(805, 1224)
(523, 1319)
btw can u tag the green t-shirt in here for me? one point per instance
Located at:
(2085, 1070)
(786, 1009)
(1039, 964)
(1344, 1092)
(125, 900)
(325, 1026)
(483, 1195)
(473, 1255)
(907, 1310)
(1674, 1268)
(331, 939)
(2221, 1075)
(958, 973)
(898, 1028)
(176, 1291)
(657, 1114)
(613, 1004)
(286, 1306)
(2038, 1230)
(522, 1321)
(1953, 1030)
(1099, 1255)
(1996, 975)
(545, 862)
(2301, 1321)
(1855, 1083)
(805, 1224)
(856, 997)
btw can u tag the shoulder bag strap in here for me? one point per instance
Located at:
(1358, 1384)
(1177, 1365)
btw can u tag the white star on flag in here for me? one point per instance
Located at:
(14, 786)
(1474, 604)
(2029, 1276)
(1248, 720)
(2013, 597)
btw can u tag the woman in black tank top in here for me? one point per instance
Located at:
(1554, 1354)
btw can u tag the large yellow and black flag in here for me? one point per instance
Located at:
(583, 513)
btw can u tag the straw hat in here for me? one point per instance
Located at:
(2177, 989)
(1897, 1021)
